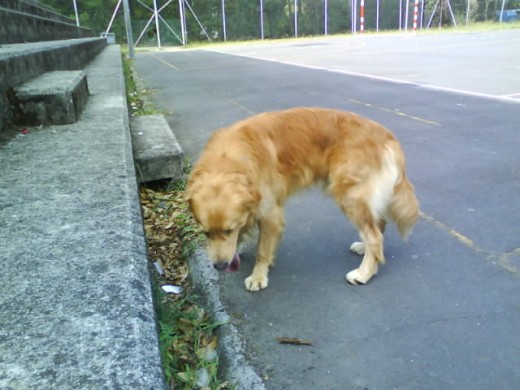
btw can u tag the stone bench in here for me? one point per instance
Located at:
(157, 152)
(54, 98)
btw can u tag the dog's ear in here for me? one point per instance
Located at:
(191, 185)
(247, 186)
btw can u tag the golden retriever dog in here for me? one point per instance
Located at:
(248, 170)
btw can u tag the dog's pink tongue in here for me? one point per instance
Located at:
(235, 263)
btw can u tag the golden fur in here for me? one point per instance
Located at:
(248, 170)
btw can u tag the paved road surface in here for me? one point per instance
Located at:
(443, 313)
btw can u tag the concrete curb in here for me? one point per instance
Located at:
(234, 364)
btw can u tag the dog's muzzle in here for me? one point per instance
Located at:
(231, 266)
(220, 266)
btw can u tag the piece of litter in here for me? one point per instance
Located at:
(158, 268)
(210, 354)
(293, 341)
(202, 377)
(24, 131)
(172, 289)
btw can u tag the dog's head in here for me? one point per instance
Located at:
(223, 204)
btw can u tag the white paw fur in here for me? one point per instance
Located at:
(358, 248)
(255, 282)
(358, 277)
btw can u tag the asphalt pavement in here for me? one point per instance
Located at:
(444, 311)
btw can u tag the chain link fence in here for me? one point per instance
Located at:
(184, 21)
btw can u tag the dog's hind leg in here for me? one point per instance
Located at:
(360, 214)
(351, 197)
(271, 227)
(358, 247)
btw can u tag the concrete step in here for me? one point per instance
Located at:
(34, 8)
(23, 21)
(75, 294)
(54, 98)
(157, 152)
(22, 62)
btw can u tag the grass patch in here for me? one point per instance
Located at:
(136, 95)
(187, 334)
(187, 337)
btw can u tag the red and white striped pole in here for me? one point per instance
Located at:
(362, 16)
(415, 14)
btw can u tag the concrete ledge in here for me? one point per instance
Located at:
(55, 98)
(22, 62)
(25, 23)
(17, 27)
(75, 293)
(34, 7)
(158, 154)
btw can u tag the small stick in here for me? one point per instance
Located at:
(293, 341)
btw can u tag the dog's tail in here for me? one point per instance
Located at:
(403, 208)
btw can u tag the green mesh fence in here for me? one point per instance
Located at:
(219, 20)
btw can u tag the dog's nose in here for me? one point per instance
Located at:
(220, 266)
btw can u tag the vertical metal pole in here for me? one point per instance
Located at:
(296, 18)
(76, 13)
(377, 16)
(400, 14)
(502, 10)
(467, 13)
(224, 19)
(156, 16)
(422, 13)
(325, 21)
(183, 20)
(406, 11)
(262, 18)
(128, 26)
(415, 14)
(362, 17)
(354, 16)
(440, 14)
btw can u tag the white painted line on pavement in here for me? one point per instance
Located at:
(506, 98)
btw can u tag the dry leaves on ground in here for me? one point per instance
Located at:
(187, 337)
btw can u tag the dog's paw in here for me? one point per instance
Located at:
(255, 282)
(358, 277)
(358, 248)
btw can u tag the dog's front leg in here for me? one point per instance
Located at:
(271, 229)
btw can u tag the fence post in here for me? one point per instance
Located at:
(415, 14)
(296, 18)
(224, 19)
(362, 16)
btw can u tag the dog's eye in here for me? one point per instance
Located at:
(227, 232)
